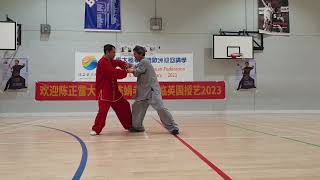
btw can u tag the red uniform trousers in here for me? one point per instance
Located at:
(122, 110)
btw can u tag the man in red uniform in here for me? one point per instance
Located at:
(107, 92)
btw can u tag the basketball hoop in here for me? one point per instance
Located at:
(236, 55)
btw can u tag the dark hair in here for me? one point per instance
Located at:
(140, 50)
(108, 48)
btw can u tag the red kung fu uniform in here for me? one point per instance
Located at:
(108, 94)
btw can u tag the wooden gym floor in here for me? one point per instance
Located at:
(226, 146)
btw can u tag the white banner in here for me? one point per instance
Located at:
(168, 66)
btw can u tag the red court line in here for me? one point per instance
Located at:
(204, 159)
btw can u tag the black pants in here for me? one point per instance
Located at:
(17, 82)
(246, 78)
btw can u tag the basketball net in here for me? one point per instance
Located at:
(237, 56)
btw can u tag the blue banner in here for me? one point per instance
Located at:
(102, 15)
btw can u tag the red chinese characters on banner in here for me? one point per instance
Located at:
(193, 90)
(72, 91)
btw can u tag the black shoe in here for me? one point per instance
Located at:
(175, 132)
(135, 130)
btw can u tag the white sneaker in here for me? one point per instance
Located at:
(93, 133)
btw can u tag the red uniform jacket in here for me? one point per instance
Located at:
(106, 79)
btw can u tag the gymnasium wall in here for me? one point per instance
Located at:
(287, 70)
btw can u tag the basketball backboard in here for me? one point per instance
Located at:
(224, 46)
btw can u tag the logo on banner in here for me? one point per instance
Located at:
(89, 62)
(90, 2)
